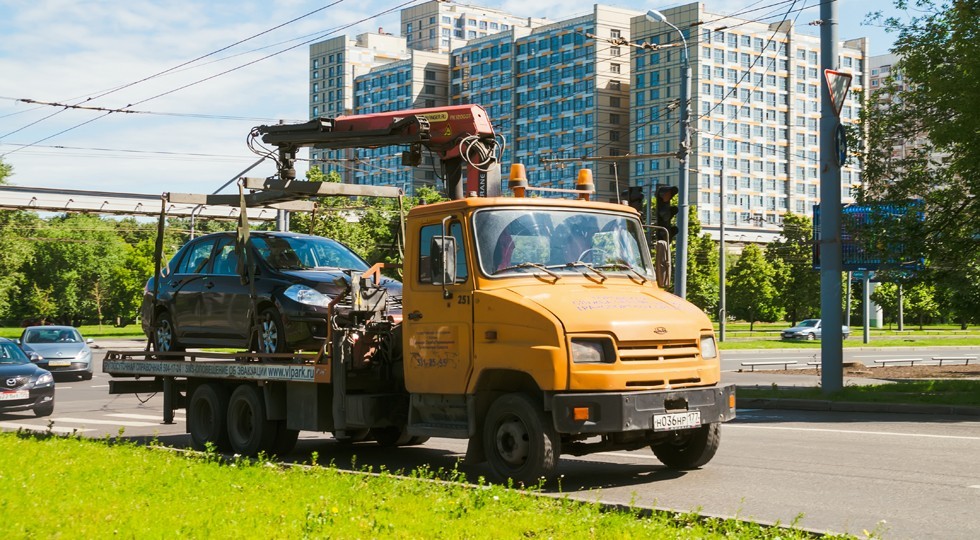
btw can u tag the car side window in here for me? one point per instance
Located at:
(426, 235)
(225, 259)
(196, 258)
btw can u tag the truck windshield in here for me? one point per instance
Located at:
(516, 241)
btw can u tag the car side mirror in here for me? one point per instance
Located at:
(89, 341)
(442, 253)
(34, 356)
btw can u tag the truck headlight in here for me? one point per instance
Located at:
(306, 295)
(708, 347)
(592, 351)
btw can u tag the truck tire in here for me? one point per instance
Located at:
(249, 432)
(520, 441)
(689, 449)
(285, 440)
(206, 417)
(392, 436)
(165, 335)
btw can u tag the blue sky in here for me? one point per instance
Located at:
(64, 51)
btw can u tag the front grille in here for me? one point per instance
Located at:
(657, 351)
(17, 381)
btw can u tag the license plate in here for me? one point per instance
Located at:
(676, 421)
(59, 363)
(11, 396)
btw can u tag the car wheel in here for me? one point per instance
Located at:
(206, 420)
(689, 449)
(249, 431)
(46, 409)
(165, 334)
(272, 333)
(520, 441)
(87, 376)
(810, 337)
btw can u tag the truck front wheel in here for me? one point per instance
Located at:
(520, 441)
(206, 417)
(248, 429)
(689, 449)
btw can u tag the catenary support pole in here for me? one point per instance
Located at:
(722, 314)
(831, 345)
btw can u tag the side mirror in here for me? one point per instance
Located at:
(89, 341)
(442, 253)
(34, 356)
(662, 264)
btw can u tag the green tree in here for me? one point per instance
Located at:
(702, 266)
(932, 113)
(751, 294)
(796, 283)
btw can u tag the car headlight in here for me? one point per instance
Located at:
(84, 355)
(44, 380)
(592, 351)
(708, 347)
(307, 295)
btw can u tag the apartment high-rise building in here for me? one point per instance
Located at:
(755, 114)
(445, 26)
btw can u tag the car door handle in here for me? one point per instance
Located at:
(209, 284)
(415, 315)
(174, 284)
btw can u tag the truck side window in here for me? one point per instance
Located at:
(425, 239)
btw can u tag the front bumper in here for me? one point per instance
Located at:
(615, 412)
(73, 368)
(38, 396)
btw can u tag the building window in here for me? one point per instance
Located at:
(614, 51)
(614, 67)
(614, 33)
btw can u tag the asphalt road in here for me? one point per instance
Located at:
(732, 359)
(904, 476)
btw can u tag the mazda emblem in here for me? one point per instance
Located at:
(660, 330)
(11, 382)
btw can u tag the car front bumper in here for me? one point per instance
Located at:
(38, 396)
(616, 412)
(72, 368)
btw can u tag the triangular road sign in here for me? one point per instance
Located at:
(838, 83)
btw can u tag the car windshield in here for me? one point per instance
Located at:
(10, 353)
(561, 241)
(306, 253)
(52, 335)
(809, 323)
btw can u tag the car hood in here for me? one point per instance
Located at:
(56, 350)
(19, 370)
(628, 313)
(328, 281)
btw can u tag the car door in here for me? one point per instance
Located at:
(184, 288)
(818, 330)
(225, 300)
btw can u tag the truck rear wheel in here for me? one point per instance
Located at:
(206, 421)
(689, 449)
(285, 439)
(248, 429)
(520, 441)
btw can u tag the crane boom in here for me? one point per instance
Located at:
(457, 134)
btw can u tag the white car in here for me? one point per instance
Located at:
(809, 330)
(58, 349)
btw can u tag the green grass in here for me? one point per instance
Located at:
(934, 392)
(78, 488)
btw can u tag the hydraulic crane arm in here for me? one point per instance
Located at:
(457, 134)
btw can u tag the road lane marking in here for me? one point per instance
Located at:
(99, 386)
(32, 427)
(855, 432)
(104, 422)
(138, 416)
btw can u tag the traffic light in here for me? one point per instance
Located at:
(665, 210)
(634, 197)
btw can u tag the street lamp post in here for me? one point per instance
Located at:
(680, 283)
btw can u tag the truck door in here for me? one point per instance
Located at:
(438, 319)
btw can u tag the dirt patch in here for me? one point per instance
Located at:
(856, 369)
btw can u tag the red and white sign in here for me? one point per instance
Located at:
(838, 83)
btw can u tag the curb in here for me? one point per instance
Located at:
(854, 406)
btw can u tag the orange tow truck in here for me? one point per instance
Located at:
(532, 327)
